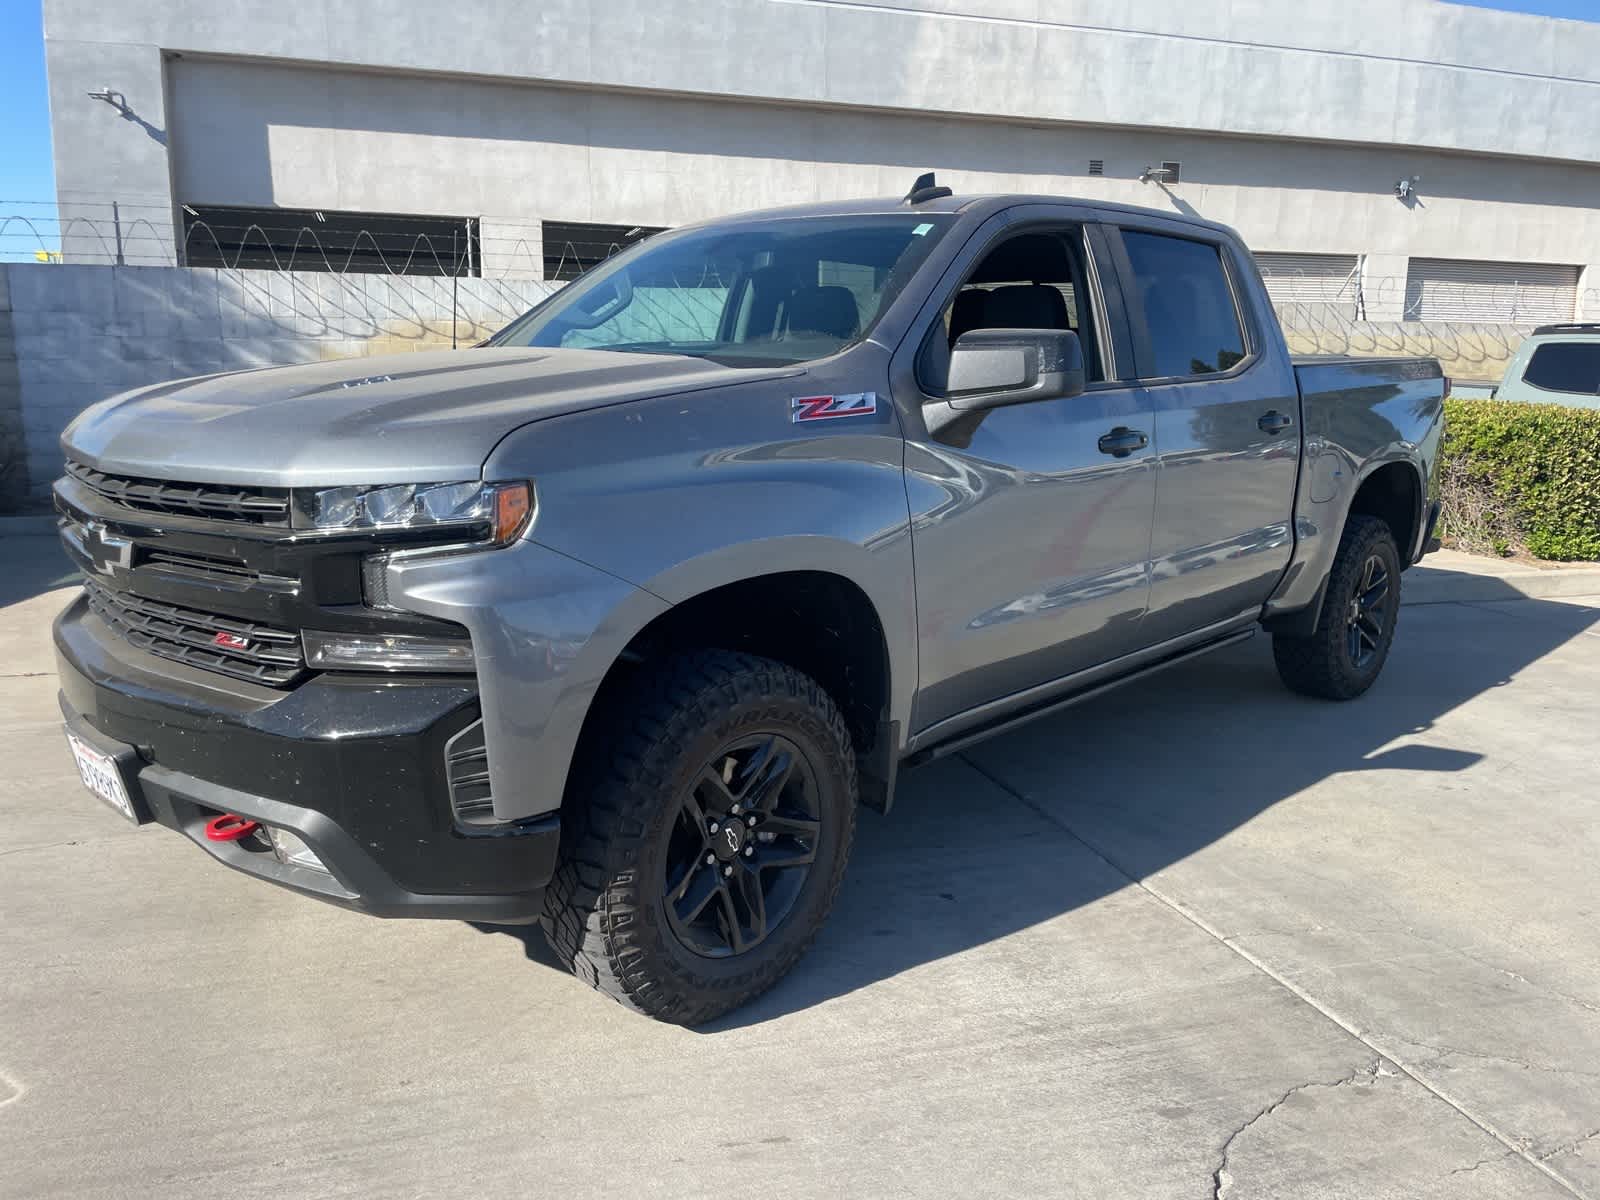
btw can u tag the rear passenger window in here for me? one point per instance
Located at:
(1566, 367)
(1188, 305)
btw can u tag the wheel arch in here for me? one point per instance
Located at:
(817, 619)
(1395, 493)
(1390, 488)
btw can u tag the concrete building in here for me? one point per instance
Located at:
(526, 125)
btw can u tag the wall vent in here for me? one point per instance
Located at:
(1174, 173)
(1097, 166)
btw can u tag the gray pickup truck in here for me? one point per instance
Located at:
(614, 622)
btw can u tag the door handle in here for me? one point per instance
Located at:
(1122, 441)
(1274, 422)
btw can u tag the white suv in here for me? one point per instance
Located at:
(1559, 364)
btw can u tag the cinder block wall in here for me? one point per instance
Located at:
(73, 335)
(13, 454)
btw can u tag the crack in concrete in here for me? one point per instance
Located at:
(1578, 1001)
(1221, 1178)
(1441, 1052)
(1482, 1162)
(39, 846)
(56, 845)
(1569, 1147)
(1405, 928)
(1350, 1027)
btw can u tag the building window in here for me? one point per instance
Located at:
(307, 239)
(572, 247)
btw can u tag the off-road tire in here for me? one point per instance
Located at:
(604, 913)
(1321, 664)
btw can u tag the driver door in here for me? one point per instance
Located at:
(1031, 528)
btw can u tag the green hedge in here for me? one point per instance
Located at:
(1537, 464)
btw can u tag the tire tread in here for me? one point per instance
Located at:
(591, 904)
(1314, 665)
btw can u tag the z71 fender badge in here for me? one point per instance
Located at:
(826, 408)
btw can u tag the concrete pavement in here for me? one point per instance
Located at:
(1198, 938)
(1451, 577)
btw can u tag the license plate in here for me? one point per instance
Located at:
(102, 776)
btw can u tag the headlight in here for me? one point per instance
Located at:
(503, 508)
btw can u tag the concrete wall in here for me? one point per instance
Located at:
(795, 99)
(78, 334)
(263, 134)
(1413, 72)
(13, 449)
(73, 335)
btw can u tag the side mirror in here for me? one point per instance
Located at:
(992, 368)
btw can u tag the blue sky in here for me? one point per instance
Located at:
(25, 170)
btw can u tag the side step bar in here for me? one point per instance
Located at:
(1017, 719)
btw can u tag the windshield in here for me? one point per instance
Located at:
(762, 294)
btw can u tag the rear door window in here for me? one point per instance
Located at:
(1566, 367)
(1188, 306)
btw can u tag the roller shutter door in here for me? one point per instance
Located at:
(1310, 278)
(1440, 289)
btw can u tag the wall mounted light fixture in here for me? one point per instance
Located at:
(116, 99)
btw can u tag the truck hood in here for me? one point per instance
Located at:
(407, 418)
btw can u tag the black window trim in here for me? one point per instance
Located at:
(1244, 312)
(1559, 391)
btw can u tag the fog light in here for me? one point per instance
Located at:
(386, 652)
(288, 849)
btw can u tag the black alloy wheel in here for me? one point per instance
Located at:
(705, 836)
(743, 846)
(1368, 615)
(1344, 655)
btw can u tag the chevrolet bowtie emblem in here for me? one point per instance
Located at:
(107, 553)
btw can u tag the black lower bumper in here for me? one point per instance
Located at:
(352, 765)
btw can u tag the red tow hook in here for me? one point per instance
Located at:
(230, 827)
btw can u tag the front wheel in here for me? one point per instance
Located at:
(708, 839)
(1344, 656)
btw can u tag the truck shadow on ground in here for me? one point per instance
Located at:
(1070, 809)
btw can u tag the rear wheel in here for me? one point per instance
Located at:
(715, 821)
(1355, 630)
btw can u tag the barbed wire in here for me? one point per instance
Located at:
(495, 268)
(134, 235)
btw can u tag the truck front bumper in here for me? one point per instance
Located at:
(354, 766)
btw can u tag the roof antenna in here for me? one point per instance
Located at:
(925, 189)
